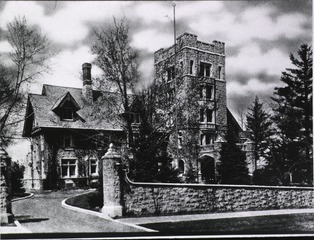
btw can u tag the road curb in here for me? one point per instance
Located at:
(22, 198)
(101, 215)
(213, 216)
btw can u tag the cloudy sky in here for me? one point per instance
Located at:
(259, 36)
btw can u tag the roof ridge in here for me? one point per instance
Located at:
(37, 94)
(95, 90)
(60, 86)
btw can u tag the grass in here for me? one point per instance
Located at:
(91, 201)
(280, 224)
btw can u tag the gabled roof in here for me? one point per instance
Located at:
(63, 99)
(104, 115)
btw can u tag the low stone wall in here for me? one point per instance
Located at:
(156, 198)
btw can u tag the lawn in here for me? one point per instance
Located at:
(91, 201)
(280, 224)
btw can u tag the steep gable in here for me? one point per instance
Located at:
(66, 107)
(46, 110)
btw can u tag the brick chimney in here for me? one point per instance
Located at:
(87, 90)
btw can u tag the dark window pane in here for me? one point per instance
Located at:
(202, 115)
(64, 171)
(219, 72)
(209, 92)
(191, 66)
(72, 171)
(181, 166)
(209, 116)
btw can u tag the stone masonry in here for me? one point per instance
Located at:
(5, 188)
(155, 198)
(189, 56)
(111, 183)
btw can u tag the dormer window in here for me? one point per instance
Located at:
(67, 113)
(66, 107)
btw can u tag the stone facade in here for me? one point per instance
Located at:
(150, 198)
(46, 166)
(70, 130)
(6, 215)
(194, 71)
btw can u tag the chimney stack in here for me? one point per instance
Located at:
(87, 89)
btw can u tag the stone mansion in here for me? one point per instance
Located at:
(69, 132)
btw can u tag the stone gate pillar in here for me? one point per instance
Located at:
(111, 183)
(5, 187)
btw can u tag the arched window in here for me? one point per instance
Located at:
(207, 169)
(181, 166)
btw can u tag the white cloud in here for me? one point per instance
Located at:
(146, 69)
(254, 22)
(67, 68)
(151, 40)
(31, 10)
(252, 87)
(68, 25)
(252, 60)
(5, 47)
(151, 12)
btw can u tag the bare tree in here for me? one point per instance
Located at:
(119, 63)
(29, 54)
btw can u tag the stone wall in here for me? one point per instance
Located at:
(155, 198)
(6, 215)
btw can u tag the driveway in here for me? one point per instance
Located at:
(44, 213)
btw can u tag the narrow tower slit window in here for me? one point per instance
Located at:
(219, 72)
(191, 66)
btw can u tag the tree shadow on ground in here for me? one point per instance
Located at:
(29, 218)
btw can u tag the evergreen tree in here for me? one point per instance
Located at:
(293, 119)
(17, 174)
(233, 167)
(150, 161)
(258, 124)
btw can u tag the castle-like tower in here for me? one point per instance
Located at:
(190, 77)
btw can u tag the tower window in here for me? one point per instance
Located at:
(209, 90)
(205, 69)
(201, 92)
(170, 73)
(191, 66)
(209, 115)
(206, 91)
(206, 115)
(207, 139)
(219, 72)
(201, 115)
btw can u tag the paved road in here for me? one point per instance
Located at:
(43, 213)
